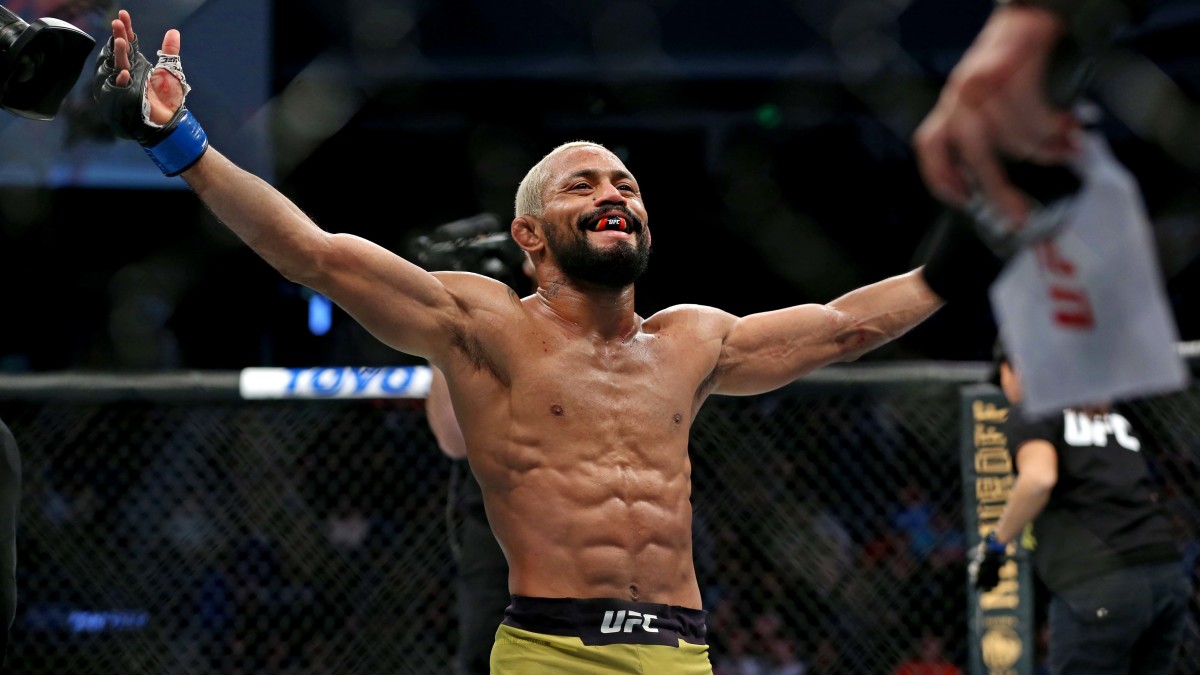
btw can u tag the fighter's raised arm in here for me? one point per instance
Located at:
(764, 351)
(400, 303)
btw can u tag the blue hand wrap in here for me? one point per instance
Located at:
(181, 148)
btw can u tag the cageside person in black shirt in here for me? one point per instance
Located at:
(1105, 547)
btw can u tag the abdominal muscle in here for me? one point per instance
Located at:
(612, 527)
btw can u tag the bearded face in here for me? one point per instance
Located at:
(608, 261)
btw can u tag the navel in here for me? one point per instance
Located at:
(633, 592)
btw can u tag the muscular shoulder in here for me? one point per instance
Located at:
(484, 308)
(698, 321)
(476, 292)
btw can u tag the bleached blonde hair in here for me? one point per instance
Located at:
(531, 192)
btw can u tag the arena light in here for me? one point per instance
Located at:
(39, 63)
(320, 314)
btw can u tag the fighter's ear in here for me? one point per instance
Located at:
(527, 232)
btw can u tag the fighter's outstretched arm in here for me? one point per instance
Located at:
(400, 303)
(762, 352)
(397, 301)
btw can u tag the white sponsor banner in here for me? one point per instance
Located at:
(389, 382)
(1084, 314)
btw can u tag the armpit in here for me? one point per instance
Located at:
(468, 344)
(709, 383)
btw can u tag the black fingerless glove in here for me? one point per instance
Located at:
(174, 146)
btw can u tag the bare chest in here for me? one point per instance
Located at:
(644, 386)
(590, 413)
(548, 397)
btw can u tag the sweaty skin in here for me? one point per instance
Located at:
(575, 410)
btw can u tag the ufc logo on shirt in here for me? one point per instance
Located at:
(1080, 429)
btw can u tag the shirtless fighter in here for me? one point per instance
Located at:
(575, 409)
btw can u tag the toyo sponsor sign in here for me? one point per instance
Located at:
(391, 382)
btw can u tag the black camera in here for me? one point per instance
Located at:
(479, 244)
(39, 63)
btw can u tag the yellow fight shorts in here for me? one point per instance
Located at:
(571, 636)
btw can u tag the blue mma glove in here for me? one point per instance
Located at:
(174, 146)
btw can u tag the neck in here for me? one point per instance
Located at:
(590, 310)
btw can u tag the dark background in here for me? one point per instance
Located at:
(771, 140)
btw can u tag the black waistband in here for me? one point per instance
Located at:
(605, 621)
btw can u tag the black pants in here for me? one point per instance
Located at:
(482, 595)
(10, 494)
(1130, 621)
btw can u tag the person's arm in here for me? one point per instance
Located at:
(1037, 474)
(442, 420)
(762, 352)
(401, 304)
(1009, 98)
(994, 108)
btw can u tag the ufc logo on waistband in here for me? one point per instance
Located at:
(613, 621)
